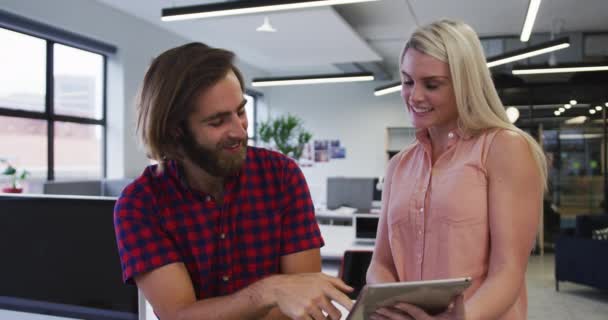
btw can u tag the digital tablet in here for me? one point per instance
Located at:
(433, 296)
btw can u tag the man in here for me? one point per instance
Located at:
(217, 230)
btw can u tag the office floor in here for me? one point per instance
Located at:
(572, 302)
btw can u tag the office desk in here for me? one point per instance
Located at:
(339, 239)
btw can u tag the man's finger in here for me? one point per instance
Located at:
(332, 312)
(339, 297)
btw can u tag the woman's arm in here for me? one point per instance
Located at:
(382, 266)
(514, 204)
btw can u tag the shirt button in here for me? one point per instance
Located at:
(226, 278)
(420, 232)
(223, 236)
(421, 210)
(450, 135)
(207, 198)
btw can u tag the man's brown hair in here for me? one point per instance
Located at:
(170, 88)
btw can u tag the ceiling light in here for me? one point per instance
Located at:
(576, 120)
(606, 104)
(598, 108)
(561, 109)
(266, 26)
(567, 106)
(592, 111)
(512, 114)
(392, 87)
(528, 52)
(556, 113)
(560, 69)
(317, 79)
(529, 22)
(573, 102)
(244, 7)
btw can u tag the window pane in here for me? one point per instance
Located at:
(23, 143)
(249, 109)
(22, 71)
(78, 150)
(78, 77)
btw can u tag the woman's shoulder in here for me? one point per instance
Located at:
(509, 148)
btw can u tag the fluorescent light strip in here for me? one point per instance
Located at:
(267, 8)
(388, 90)
(288, 82)
(529, 22)
(528, 54)
(560, 70)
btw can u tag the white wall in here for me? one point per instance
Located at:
(138, 42)
(348, 112)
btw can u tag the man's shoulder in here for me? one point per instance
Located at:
(144, 183)
(267, 157)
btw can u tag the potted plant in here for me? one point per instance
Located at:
(286, 134)
(14, 177)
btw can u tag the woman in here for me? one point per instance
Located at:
(465, 198)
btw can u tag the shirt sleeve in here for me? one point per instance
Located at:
(143, 245)
(299, 225)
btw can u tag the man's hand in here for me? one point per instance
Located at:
(404, 311)
(306, 296)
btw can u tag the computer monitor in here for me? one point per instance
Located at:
(59, 257)
(366, 226)
(350, 192)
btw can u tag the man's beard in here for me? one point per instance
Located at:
(212, 160)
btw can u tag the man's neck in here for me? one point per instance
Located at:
(200, 180)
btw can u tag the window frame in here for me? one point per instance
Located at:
(48, 114)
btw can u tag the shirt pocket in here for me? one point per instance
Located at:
(463, 247)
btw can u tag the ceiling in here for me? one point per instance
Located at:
(325, 40)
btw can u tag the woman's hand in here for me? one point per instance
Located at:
(405, 311)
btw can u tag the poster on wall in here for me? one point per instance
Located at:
(336, 151)
(321, 150)
(326, 150)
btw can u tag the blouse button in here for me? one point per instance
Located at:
(226, 278)
(450, 135)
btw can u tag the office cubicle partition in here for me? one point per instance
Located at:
(59, 257)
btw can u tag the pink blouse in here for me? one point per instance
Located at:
(435, 217)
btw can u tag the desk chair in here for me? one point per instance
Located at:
(353, 269)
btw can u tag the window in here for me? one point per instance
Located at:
(250, 110)
(52, 114)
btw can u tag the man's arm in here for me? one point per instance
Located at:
(298, 296)
(170, 292)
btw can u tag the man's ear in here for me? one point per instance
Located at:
(178, 133)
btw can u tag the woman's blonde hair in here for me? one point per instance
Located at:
(478, 104)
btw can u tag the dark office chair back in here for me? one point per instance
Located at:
(354, 269)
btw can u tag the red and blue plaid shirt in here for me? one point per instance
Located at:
(267, 213)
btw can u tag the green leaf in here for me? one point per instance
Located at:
(286, 133)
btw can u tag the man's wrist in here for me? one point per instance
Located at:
(262, 292)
